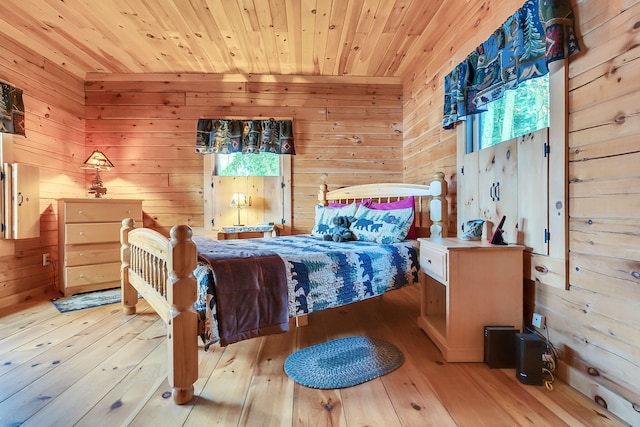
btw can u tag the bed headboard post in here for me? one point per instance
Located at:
(183, 319)
(129, 294)
(438, 206)
(322, 195)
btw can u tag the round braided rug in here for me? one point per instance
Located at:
(343, 362)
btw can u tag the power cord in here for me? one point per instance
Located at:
(549, 361)
(53, 267)
(548, 378)
(550, 357)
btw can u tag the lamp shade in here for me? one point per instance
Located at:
(240, 200)
(98, 160)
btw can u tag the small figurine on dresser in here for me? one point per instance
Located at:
(473, 230)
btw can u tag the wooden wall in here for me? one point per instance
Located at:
(596, 323)
(347, 131)
(54, 142)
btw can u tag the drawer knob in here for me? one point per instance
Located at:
(429, 261)
(81, 276)
(80, 212)
(81, 254)
(541, 269)
(82, 233)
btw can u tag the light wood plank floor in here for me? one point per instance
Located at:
(98, 367)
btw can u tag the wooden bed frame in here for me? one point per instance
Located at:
(160, 269)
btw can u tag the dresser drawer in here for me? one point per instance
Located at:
(92, 274)
(92, 254)
(92, 233)
(433, 262)
(104, 212)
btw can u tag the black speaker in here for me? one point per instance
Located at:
(500, 346)
(529, 351)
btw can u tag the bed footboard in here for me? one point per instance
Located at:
(161, 270)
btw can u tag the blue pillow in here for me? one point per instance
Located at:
(325, 215)
(382, 226)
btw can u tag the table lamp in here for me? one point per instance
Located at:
(239, 201)
(97, 160)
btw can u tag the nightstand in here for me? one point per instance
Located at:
(467, 285)
(248, 231)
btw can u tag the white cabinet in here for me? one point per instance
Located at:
(25, 201)
(498, 187)
(508, 179)
(19, 195)
(531, 192)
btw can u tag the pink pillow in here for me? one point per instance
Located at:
(400, 204)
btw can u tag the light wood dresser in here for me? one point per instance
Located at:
(89, 239)
(467, 285)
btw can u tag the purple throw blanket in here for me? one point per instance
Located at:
(250, 290)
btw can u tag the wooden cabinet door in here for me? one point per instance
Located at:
(498, 188)
(468, 190)
(266, 200)
(533, 190)
(25, 201)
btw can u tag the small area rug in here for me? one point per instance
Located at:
(343, 362)
(87, 300)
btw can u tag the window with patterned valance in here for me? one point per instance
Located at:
(540, 32)
(11, 110)
(218, 136)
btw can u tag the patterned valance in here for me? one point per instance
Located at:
(11, 110)
(537, 34)
(244, 136)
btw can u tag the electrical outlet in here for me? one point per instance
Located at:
(538, 320)
(46, 259)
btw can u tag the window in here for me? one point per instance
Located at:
(238, 164)
(519, 112)
(264, 177)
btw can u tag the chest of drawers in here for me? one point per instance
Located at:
(89, 239)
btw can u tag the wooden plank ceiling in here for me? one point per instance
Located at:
(298, 37)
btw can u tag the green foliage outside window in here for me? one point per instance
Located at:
(238, 164)
(518, 112)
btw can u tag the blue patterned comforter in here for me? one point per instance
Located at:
(323, 274)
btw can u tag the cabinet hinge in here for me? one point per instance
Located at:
(3, 228)
(462, 170)
(213, 221)
(2, 176)
(547, 149)
(547, 236)
(282, 185)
